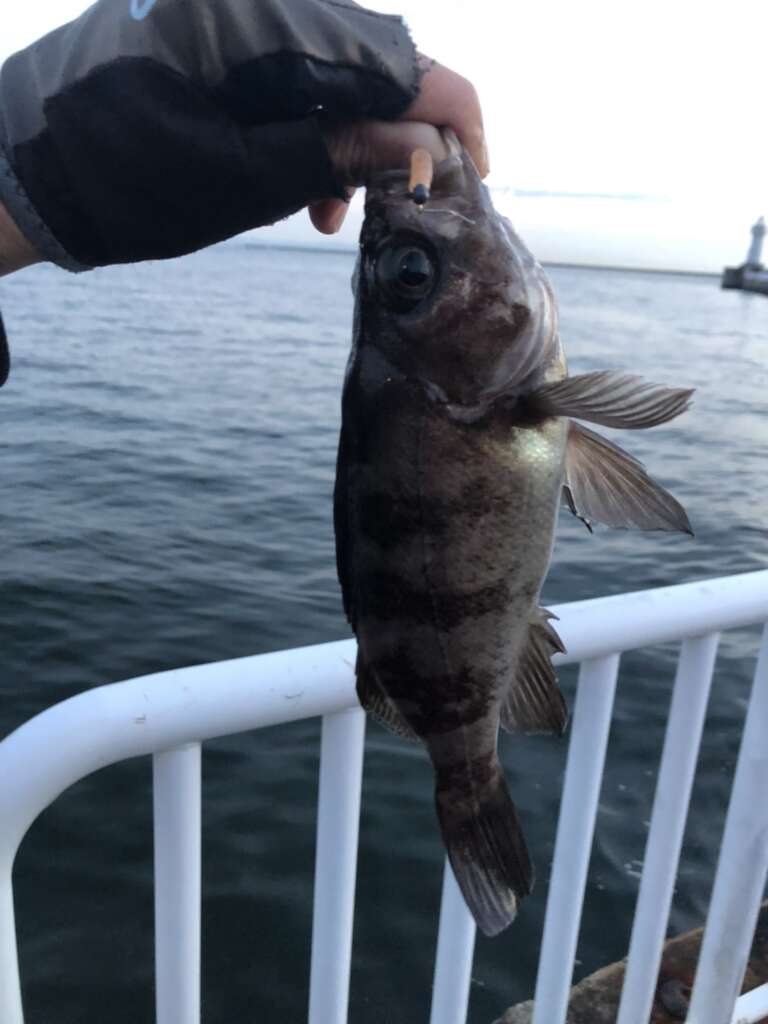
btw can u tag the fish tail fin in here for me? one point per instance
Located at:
(487, 852)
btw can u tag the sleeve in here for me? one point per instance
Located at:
(146, 129)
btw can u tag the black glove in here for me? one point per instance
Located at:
(145, 130)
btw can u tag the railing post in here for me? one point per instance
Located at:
(741, 869)
(575, 829)
(665, 837)
(10, 988)
(752, 1006)
(338, 825)
(177, 813)
(455, 948)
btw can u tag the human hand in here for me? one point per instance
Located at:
(183, 125)
(445, 100)
(15, 253)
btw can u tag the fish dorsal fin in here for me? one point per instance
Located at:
(613, 399)
(379, 705)
(534, 703)
(605, 484)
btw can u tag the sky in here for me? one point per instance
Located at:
(620, 133)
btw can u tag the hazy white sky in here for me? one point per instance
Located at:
(663, 99)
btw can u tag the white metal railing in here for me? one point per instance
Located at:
(170, 714)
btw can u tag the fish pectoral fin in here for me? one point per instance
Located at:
(606, 484)
(534, 703)
(611, 398)
(379, 705)
(570, 504)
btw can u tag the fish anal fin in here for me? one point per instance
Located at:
(611, 398)
(379, 705)
(534, 703)
(606, 484)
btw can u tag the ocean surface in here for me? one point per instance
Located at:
(167, 444)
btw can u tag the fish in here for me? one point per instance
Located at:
(460, 438)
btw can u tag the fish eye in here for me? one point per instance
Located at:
(414, 269)
(406, 275)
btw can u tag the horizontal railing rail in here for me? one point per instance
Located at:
(169, 714)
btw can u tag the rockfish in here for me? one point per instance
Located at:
(459, 440)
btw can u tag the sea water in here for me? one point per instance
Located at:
(167, 449)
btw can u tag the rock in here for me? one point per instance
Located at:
(595, 1000)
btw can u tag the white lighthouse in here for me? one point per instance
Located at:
(756, 248)
(751, 276)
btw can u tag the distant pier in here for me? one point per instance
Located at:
(751, 276)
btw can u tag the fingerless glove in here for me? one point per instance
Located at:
(145, 130)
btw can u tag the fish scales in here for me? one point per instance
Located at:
(453, 459)
(442, 551)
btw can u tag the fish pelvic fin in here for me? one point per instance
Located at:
(379, 705)
(611, 398)
(533, 703)
(605, 484)
(487, 852)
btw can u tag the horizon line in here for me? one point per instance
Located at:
(349, 250)
(543, 193)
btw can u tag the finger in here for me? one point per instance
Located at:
(445, 98)
(391, 143)
(328, 215)
(364, 147)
